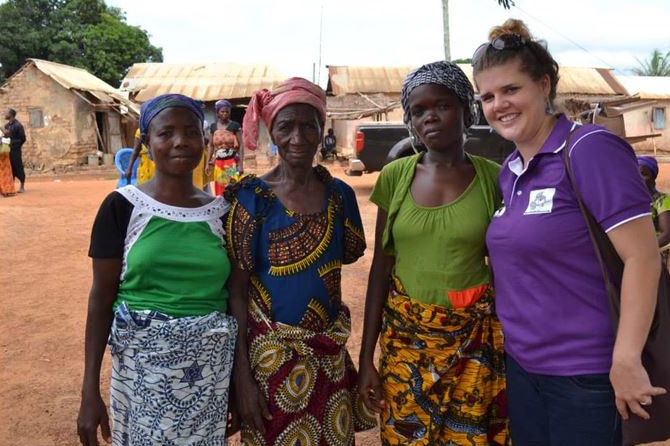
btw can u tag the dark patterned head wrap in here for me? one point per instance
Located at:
(443, 73)
(222, 104)
(153, 107)
(650, 163)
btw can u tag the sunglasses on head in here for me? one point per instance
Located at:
(504, 42)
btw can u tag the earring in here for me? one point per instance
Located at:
(413, 137)
(549, 109)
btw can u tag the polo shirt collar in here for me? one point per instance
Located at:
(556, 140)
(554, 143)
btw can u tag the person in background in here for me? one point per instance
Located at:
(272, 154)
(289, 233)
(329, 147)
(224, 148)
(146, 168)
(158, 297)
(201, 175)
(660, 202)
(570, 372)
(205, 129)
(441, 377)
(6, 178)
(17, 135)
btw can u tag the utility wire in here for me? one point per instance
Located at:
(609, 65)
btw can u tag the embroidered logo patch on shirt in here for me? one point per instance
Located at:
(541, 201)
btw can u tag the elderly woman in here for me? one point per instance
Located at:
(224, 148)
(429, 300)
(570, 371)
(159, 299)
(289, 233)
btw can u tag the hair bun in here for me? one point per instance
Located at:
(511, 26)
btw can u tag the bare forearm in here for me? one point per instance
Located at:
(98, 325)
(664, 226)
(635, 242)
(238, 286)
(210, 150)
(133, 158)
(239, 312)
(378, 286)
(638, 301)
(137, 148)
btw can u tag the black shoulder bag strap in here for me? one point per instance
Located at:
(611, 265)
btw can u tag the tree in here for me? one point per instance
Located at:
(657, 65)
(18, 40)
(82, 33)
(445, 23)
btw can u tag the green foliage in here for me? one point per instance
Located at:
(506, 3)
(80, 33)
(657, 65)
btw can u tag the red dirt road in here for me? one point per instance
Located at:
(45, 278)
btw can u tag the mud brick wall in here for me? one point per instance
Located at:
(66, 133)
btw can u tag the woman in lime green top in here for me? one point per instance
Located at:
(429, 300)
(660, 203)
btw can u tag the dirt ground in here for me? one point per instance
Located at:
(45, 276)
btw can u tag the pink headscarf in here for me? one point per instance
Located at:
(266, 104)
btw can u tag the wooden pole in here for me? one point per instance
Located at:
(445, 29)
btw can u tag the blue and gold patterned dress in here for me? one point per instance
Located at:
(298, 325)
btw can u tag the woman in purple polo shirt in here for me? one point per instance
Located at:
(568, 375)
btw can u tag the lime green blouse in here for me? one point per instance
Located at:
(438, 250)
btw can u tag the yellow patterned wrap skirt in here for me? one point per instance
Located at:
(442, 373)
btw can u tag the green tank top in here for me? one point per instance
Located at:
(441, 249)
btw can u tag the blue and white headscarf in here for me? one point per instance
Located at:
(443, 73)
(153, 107)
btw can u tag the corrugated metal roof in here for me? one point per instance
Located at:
(205, 81)
(588, 81)
(348, 79)
(647, 87)
(73, 78)
(573, 80)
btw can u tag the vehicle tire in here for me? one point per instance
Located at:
(402, 149)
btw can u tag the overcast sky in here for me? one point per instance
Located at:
(295, 35)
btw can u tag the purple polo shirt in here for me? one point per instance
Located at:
(550, 294)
